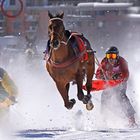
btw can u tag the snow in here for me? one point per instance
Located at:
(104, 4)
(134, 10)
(79, 16)
(99, 5)
(134, 16)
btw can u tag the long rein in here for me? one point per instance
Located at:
(68, 62)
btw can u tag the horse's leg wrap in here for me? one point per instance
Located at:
(80, 96)
(79, 81)
(70, 104)
(86, 98)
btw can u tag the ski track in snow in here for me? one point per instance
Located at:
(58, 134)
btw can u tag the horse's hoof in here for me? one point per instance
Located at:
(89, 105)
(86, 99)
(71, 104)
(73, 101)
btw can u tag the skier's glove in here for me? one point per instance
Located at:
(13, 100)
(116, 76)
(102, 77)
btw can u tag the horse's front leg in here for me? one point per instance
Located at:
(79, 82)
(63, 90)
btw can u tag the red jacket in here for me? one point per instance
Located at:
(120, 69)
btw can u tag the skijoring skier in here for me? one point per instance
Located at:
(114, 67)
(8, 90)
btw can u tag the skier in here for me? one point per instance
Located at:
(114, 67)
(31, 44)
(8, 90)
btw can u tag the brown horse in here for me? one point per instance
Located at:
(65, 64)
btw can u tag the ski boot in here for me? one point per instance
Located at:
(132, 122)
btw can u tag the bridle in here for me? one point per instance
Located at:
(65, 43)
(61, 37)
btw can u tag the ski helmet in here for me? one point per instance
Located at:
(112, 49)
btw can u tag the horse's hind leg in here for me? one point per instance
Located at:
(84, 98)
(79, 81)
(80, 95)
(64, 93)
(90, 72)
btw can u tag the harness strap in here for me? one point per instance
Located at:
(98, 63)
(67, 63)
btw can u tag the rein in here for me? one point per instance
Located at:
(67, 63)
(98, 63)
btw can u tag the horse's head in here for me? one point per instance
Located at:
(56, 29)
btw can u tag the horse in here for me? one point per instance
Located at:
(65, 64)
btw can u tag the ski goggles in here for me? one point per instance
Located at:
(111, 55)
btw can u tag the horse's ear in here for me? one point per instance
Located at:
(50, 15)
(61, 15)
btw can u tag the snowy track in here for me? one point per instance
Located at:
(62, 134)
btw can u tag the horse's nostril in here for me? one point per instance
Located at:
(55, 42)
